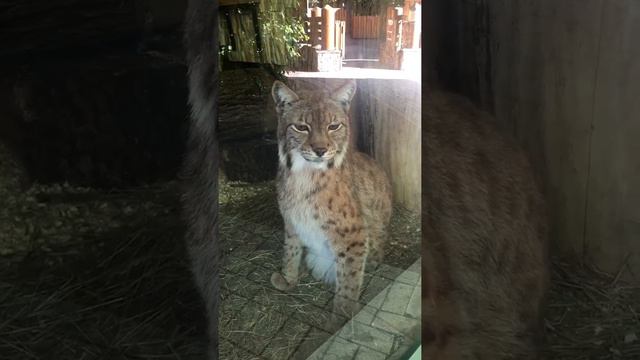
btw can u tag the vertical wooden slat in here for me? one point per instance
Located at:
(365, 27)
(543, 81)
(395, 117)
(613, 196)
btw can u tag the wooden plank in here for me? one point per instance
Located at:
(613, 213)
(544, 56)
(365, 27)
(394, 121)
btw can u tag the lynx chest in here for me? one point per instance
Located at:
(304, 213)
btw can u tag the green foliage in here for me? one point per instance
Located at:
(281, 34)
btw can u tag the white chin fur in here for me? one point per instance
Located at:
(299, 163)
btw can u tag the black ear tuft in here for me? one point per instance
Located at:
(289, 163)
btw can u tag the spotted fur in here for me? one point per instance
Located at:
(335, 201)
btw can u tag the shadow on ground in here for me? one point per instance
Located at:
(118, 289)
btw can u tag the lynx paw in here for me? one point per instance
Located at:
(345, 307)
(335, 322)
(279, 282)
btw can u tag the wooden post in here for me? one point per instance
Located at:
(328, 25)
(417, 26)
(399, 30)
(316, 32)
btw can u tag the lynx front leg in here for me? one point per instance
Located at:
(349, 277)
(288, 278)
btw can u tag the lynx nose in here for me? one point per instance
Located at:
(320, 150)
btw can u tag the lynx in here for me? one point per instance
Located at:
(335, 201)
(485, 230)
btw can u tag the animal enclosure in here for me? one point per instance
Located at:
(292, 325)
(93, 126)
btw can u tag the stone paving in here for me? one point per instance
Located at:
(387, 327)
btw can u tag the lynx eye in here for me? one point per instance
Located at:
(334, 127)
(301, 128)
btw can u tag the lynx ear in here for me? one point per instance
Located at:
(282, 95)
(344, 94)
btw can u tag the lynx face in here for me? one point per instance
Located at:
(313, 132)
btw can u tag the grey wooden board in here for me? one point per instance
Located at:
(613, 212)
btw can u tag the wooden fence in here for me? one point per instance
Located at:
(365, 27)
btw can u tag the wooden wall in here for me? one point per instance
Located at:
(388, 114)
(564, 78)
